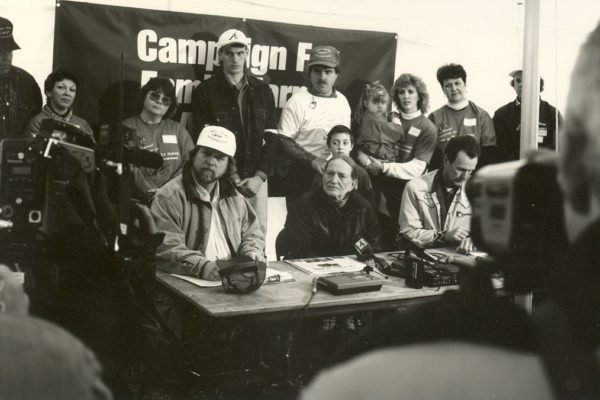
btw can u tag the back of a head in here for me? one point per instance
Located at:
(580, 150)
(46, 362)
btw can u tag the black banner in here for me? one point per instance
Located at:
(90, 40)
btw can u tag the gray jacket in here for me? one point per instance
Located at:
(185, 219)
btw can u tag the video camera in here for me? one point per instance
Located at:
(50, 181)
(517, 218)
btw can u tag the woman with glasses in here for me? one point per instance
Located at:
(155, 131)
(60, 88)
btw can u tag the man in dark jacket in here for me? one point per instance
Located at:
(329, 220)
(507, 122)
(20, 96)
(244, 105)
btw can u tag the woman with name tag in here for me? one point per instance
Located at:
(155, 131)
(60, 88)
(411, 98)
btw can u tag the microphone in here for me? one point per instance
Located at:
(417, 249)
(364, 252)
(142, 158)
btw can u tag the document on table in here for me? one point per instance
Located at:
(272, 276)
(198, 281)
(327, 265)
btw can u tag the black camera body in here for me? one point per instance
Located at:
(518, 219)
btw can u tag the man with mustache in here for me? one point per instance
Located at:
(20, 95)
(307, 118)
(203, 216)
(435, 211)
(329, 220)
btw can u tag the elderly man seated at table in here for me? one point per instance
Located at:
(202, 215)
(435, 211)
(328, 220)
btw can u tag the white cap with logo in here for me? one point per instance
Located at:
(218, 138)
(232, 36)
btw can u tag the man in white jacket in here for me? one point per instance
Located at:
(435, 211)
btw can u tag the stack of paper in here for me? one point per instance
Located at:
(320, 266)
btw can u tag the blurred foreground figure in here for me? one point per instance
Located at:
(42, 361)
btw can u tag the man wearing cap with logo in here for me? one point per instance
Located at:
(507, 122)
(202, 215)
(20, 95)
(307, 118)
(244, 105)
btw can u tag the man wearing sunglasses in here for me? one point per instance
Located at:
(244, 105)
(202, 215)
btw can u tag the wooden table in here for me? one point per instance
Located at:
(283, 300)
(281, 307)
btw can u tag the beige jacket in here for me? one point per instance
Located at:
(420, 217)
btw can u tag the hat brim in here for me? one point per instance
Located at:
(323, 63)
(516, 71)
(8, 44)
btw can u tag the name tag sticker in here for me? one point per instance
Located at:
(170, 139)
(413, 131)
(470, 122)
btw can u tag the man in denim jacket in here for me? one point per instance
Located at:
(244, 105)
(435, 211)
(20, 95)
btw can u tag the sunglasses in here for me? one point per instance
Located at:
(160, 98)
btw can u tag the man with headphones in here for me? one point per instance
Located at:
(507, 122)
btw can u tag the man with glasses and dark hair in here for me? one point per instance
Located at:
(155, 131)
(244, 105)
(435, 211)
(203, 216)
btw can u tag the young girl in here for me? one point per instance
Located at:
(378, 132)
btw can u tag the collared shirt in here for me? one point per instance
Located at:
(445, 194)
(241, 88)
(216, 245)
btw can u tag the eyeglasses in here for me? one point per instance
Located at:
(160, 98)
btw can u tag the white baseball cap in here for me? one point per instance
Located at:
(218, 138)
(232, 36)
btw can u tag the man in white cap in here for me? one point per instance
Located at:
(507, 122)
(20, 95)
(203, 216)
(245, 105)
(307, 118)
